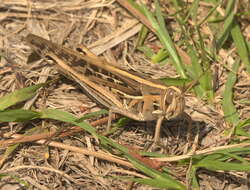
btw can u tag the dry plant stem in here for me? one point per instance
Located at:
(52, 17)
(121, 34)
(96, 154)
(109, 121)
(22, 138)
(136, 13)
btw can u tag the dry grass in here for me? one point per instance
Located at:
(106, 29)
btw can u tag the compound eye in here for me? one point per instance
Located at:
(169, 96)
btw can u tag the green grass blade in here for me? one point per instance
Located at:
(231, 153)
(194, 10)
(227, 26)
(159, 179)
(22, 182)
(206, 79)
(177, 4)
(225, 166)
(157, 25)
(142, 36)
(209, 14)
(175, 81)
(240, 128)
(159, 183)
(161, 55)
(227, 160)
(92, 114)
(70, 118)
(18, 115)
(167, 41)
(192, 176)
(229, 110)
(118, 125)
(163, 35)
(240, 44)
(19, 96)
(146, 50)
(222, 155)
(7, 153)
(223, 35)
(196, 71)
(67, 117)
(13, 147)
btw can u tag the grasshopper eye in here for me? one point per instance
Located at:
(170, 96)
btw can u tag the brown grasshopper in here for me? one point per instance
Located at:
(123, 92)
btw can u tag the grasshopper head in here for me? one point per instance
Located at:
(171, 103)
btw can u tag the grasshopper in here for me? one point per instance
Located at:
(124, 92)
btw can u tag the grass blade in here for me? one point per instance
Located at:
(229, 110)
(92, 114)
(142, 36)
(240, 44)
(147, 18)
(225, 160)
(7, 153)
(17, 179)
(18, 115)
(160, 180)
(175, 81)
(239, 129)
(19, 96)
(225, 166)
(146, 51)
(209, 14)
(67, 117)
(223, 35)
(204, 76)
(159, 26)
